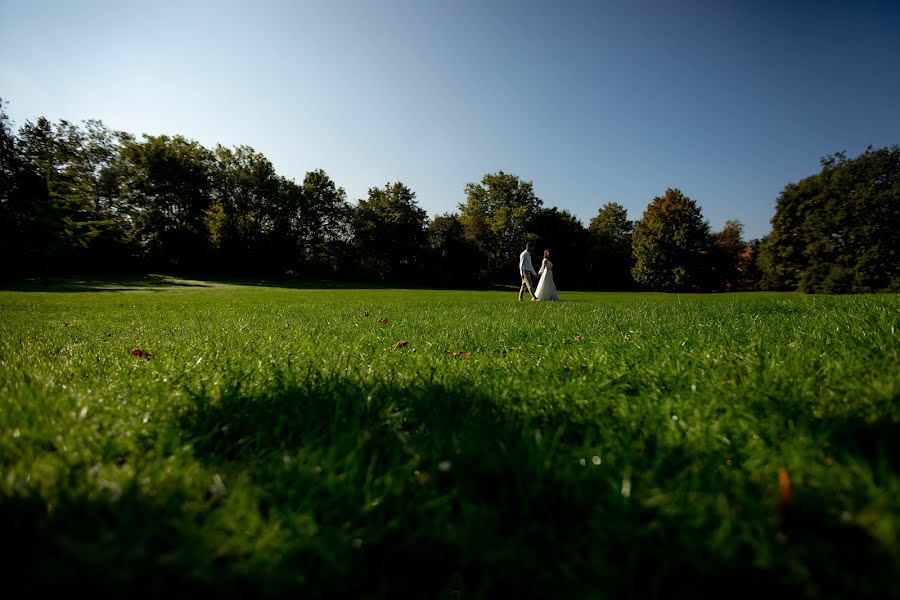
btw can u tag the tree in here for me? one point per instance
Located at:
(669, 242)
(389, 233)
(610, 241)
(53, 207)
(497, 215)
(564, 235)
(9, 159)
(838, 230)
(323, 222)
(728, 257)
(106, 239)
(168, 181)
(611, 227)
(244, 214)
(455, 259)
(59, 182)
(749, 272)
(14, 211)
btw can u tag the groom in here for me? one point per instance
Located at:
(526, 271)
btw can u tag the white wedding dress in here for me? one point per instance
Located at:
(546, 289)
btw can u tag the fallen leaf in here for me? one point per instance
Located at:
(383, 320)
(366, 313)
(140, 353)
(400, 344)
(458, 354)
(577, 338)
(217, 488)
(420, 478)
(785, 490)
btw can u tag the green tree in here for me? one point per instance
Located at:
(610, 234)
(323, 221)
(565, 236)
(611, 227)
(389, 233)
(838, 230)
(16, 200)
(455, 258)
(105, 236)
(61, 181)
(56, 209)
(749, 272)
(9, 159)
(728, 257)
(782, 256)
(169, 182)
(497, 215)
(245, 193)
(669, 242)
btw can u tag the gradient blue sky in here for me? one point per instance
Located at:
(592, 101)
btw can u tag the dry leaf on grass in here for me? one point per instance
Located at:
(383, 320)
(785, 489)
(577, 338)
(140, 353)
(365, 313)
(458, 354)
(400, 344)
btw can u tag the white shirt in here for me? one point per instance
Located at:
(525, 262)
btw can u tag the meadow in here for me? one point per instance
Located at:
(163, 436)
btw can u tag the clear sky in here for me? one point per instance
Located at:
(592, 101)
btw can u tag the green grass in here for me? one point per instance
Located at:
(275, 443)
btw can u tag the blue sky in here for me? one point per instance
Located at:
(592, 101)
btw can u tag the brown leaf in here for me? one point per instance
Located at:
(785, 490)
(458, 354)
(140, 353)
(383, 320)
(366, 313)
(400, 344)
(577, 338)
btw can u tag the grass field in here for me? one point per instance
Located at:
(384, 443)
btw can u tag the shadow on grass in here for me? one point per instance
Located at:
(874, 441)
(424, 491)
(864, 430)
(159, 283)
(146, 283)
(135, 545)
(327, 284)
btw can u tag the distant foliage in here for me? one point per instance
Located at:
(838, 231)
(168, 184)
(455, 259)
(610, 234)
(389, 232)
(669, 244)
(498, 216)
(563, 234)
(731, 262)
(322, 224)
(82, 198)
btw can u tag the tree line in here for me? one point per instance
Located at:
(87, 199)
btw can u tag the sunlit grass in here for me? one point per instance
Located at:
(281, 440)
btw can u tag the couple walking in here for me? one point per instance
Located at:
(546, 289)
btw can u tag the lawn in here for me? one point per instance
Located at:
(282, 441)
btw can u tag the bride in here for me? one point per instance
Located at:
(546, 289)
